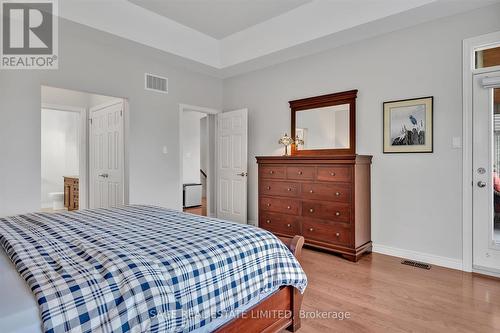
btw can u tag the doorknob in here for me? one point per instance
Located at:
(481, 184)
(104, 175)
(242, 174)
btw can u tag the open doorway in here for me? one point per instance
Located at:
(82, 150)
(197, 134)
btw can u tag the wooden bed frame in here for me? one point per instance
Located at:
(279, 311)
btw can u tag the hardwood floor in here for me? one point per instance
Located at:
(382, 295)
(201, 210)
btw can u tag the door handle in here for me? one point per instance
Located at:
(242, 174)
(104, 175)
(481, 184)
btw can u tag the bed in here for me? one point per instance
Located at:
(144, 268)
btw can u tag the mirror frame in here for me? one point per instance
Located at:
(311, 103)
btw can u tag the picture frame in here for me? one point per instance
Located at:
(408, 125)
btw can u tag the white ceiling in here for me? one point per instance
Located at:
(274, 31)
(219, 18)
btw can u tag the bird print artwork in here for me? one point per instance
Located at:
(408, 125)
(413, 120)
(410, 121)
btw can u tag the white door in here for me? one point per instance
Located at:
(232, 140)
(106, 156)
(486, 173)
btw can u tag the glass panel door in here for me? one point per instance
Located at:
(486, 176)
(496, 165)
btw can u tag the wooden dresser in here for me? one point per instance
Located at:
(326, 199)
(71, 193)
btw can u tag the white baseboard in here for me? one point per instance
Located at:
(252, 222)
(486, 271)
(419, 256)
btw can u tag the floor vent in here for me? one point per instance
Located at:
(417, 264)
(156, 83)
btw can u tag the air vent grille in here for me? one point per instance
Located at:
(417, 264)
(156, 83)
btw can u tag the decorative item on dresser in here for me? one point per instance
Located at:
(326, 199)
(322, 191)
(71, 193)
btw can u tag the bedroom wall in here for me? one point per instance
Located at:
(93, 61)
(191, 148)
(416, 198)
(60, 155)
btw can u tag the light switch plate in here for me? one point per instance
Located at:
(165, 150)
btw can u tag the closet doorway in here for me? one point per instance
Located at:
(197, 126)
(82, 150)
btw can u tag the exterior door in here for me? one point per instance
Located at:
(232, 140)
(106, 156)
(486, 172)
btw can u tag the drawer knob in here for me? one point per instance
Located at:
(271, 172)
(337, 194)
(289, 225)
(337, 234)
(268, 221)
(289, 189)
(300, 172)
(337, 213)
(268, 187)
(311, 210)
(268, 205)
(332, 174)
(288, 207)
(311, 229)
(311, 191)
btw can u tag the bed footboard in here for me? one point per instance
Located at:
(279, 311)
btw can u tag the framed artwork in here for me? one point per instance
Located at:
(408, 126)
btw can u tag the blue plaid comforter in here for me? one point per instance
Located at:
(141, 268)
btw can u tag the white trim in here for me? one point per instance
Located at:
(210, 181)
(202, 109)
(83, 162)
(469, 47)
(107, 104)
(419, 256)
(486, 271)
(60, 107)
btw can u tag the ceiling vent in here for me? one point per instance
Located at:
(156, 83)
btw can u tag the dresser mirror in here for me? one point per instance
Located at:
(324, 125)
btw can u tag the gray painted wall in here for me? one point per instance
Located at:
(97, 62)
(416, 198)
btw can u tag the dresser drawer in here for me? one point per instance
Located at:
(71, 181)
(329, 192)
(286, 189)
(279, 205)
(281, 224)
(337, 212)
(300, 172)
(325, 231)
(334, 173)
(272, 172)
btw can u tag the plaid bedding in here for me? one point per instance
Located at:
(142, 268)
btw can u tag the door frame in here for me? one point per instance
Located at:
(471, 45)
(211, 188)
(83, 161)
(125, 152)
